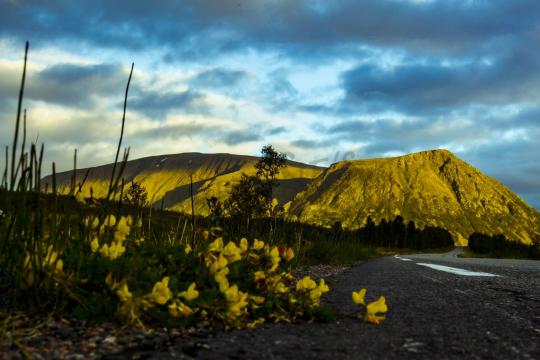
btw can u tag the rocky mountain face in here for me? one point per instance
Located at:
(429, 188)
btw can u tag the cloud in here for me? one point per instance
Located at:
(277, 130)
(310, 144)
(509, 77)
(219, 77)
(160, 103)
(65, 84)
(211, 131)
(202, 28)
(239, 137)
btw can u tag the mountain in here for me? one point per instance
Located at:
(166, 178)
(430, 188)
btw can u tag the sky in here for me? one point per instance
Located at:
(321, 80)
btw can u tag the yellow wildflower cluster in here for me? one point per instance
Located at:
(263, 262)
(312, 289)
(243, 284)
(131, 307)
(50, 264)
(374, 311)
(120, 231)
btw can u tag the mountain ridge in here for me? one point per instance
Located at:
(432, 187)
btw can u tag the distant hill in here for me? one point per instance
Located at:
(167, 178)
(430, 188)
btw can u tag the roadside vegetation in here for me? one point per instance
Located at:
(498, 246)
(116, 258)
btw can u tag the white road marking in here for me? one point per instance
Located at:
(456, 271)
(400, 258)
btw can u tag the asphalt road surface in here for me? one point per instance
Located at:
(475, 309)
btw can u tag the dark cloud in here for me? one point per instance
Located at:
(197, 24)
(277, 130)
(219, 77)
(230, 137)
(310, 144)
(511, 76)
(66, 84)
(202, 28)
(239, 137)
(159, 104)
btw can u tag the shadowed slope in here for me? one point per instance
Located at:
(166, 178)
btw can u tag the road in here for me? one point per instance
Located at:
(492, 312)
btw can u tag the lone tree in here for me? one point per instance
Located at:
(253, 195)
(136, 195)
(268, 167)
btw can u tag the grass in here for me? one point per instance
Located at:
(98, 259)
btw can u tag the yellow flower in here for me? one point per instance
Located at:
(281, 288)
(317, 292)
(205, 234)
(274, 252)
(223, 285)
(257, 299)
(257, 245)
(190, 293)
(94, 245)
(179, 309)
(274, 257)
(95, 223)
(255, 323)
(104, 251)
(161, 292)
(122, 229)
(259, 275)
(123, 292)
(306, 283)
(59, 266)
(237, 301)
(116, 250)
(289, 254)
(358, 297)
(221, 278)
(187, 249)
(216, 245)
(232, 252)
(323, 287)
(244, 245)
(219, 264)
(232, 293)
(374, 308)
(80, 198)
(110, 220)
